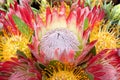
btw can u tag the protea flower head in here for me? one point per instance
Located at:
(61, 34)
(64, 38)
(107, 36)
(19, 69)
(17, 30)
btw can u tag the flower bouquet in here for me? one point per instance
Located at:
(76, 41)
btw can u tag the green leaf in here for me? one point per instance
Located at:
(21, 54)
(86, 22)
(22, 26)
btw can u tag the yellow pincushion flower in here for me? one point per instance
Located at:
(106, 38)
(59, 71)
(10, 44)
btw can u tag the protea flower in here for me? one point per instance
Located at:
(19, 69)
(18, 25)
(65, 39)
(107, 36)
(61, 33)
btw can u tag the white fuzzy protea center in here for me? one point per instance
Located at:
(61, 39)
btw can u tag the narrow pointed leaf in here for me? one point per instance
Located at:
(22, 26)
(86, 24)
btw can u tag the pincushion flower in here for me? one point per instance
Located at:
(10, 44)
(19, 69)
(18, 25)
(64, 72)
(106, 35)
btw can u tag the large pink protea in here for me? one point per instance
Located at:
(105, 65)
(63, 37)
(19, 69)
